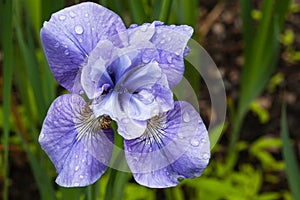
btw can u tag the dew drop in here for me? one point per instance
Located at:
(180, 135)
(150, 149)
(205, 156)
(169, 59)
(78, 29)
(80, 40)
(76, 184)
(158, 31)
(83, 160)
(72, 14)
(162, 41)
(146, 59)
(203, 140)
(67, 52)
(81, 176)
(42, 135)
(194, 142)
(62, 17)
(86, 15)
(77, 168)
(56, 45)
(186, 117)
(125, 120)
(85, 149)
(144, 28)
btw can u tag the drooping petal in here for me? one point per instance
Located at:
(174, 146)
(72, 33)
(67, 131)
(171, 43)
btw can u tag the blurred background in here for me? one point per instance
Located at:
(256, 47)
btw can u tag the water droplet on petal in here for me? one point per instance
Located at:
(77, 168)
(80, 40)
(56, 45)
(146, 59)
(78, 29)
(62, 17)
(86, 15)
(76, 184)
(143, 28)
(158, 31)
(72, 14)
(169, 59)
(67, 52)
(205, 156)
(162, 41)
(125, 120)
(85, 149)
(83, 160)
(81, 176)
(180, 135)
(42, 135)
(186, 117)
(150, 149)
(194, 142)
(203, 140)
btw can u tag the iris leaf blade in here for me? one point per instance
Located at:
(292, 169)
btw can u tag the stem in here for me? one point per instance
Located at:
(165, 11)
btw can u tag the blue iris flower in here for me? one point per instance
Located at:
(124, 75)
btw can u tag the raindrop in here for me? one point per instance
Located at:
(146, 59)
(81, 176)
(144, 28)
(150, 149)
(162, 41)
(158, 31)
(186, 117)
(125, 120)
(83, 160)
(42, 135)
(72, 14)
(78, 29)
(85, 149)
(203, 140)
(205, 156)
(76, 184)
(86, 15)
(62, 17)
(80, 40)
(67, 52)
(77, 168)
(56, 45)
(170, 59)
(194, 142)
(180, 135)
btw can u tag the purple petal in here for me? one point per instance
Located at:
(112, 106)
(171, 43)
(71, 34)
(175, 145)
(138, 95)
(66, 135)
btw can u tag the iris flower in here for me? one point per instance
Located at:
(126, 75)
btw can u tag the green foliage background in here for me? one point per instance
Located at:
(28, 88)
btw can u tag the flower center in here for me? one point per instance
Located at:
(155, 130)
(88, 123)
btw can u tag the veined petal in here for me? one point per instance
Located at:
(113, 106)
(72, 33)
(174, 146)
(169, 41)
(67, 131)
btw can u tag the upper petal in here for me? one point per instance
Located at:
(175, 145)
(72, 33)
(66, 134)
(170, 42)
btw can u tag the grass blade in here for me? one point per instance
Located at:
(292, 169)
(43, 182)
(137, 11)
(7, 42)
(165, 10)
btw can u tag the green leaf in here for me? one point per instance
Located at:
(137, 11)
(43, 181)
(215, 134)
(7, 44)
(292, 168)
